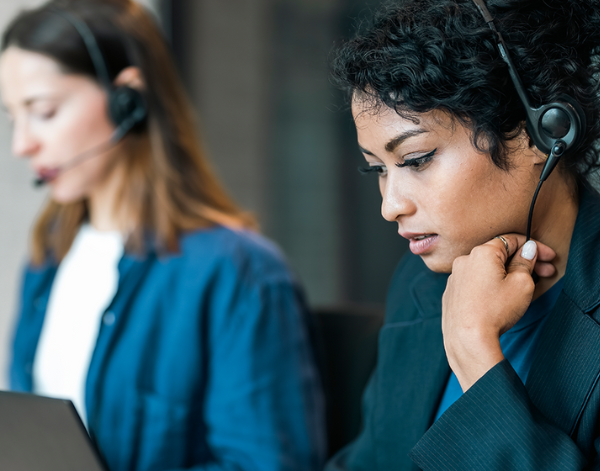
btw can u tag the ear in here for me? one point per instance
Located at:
(529, 148)
(130, 77)
(539, 157)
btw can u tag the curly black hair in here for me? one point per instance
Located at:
(420, 55)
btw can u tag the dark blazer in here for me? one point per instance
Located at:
(550, 423)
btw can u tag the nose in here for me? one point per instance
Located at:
(396, 202)
(24, 143)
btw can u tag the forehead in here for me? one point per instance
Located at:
(380, 122)
(27, 65)
(25, 74)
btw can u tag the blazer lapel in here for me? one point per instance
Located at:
(412, 355)
(566, 366)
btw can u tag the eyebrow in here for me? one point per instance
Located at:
(396, 141)
(32, 100)
(27, 102)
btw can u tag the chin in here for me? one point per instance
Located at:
(438, 264)
(65, 196)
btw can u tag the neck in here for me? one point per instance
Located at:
(553, 223)
(103, 203)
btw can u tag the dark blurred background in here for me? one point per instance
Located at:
(281, 136)
(282, 139)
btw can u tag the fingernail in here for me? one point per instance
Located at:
(529, 250)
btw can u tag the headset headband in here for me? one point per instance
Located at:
(90, 43)
(504, 53)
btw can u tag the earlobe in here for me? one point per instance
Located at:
(130, 77)
(539, 157)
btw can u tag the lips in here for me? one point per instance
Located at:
(47, 174)
(423, 237)
(420, 243)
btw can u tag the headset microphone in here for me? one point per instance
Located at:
(115, 138)
(40, 181)
(555, 128)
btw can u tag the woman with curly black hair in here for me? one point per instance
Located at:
(490, 354)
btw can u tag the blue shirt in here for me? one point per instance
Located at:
(203, 360)
(518, 344)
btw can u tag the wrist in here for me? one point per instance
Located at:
(472, 355)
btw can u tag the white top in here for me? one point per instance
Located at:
(85, 285)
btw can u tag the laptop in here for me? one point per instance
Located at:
(44, 434)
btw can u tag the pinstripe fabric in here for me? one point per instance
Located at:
(499, 423)
(567, 364)
(495, 426)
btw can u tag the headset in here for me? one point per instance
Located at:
(555, 128)
(126, 106)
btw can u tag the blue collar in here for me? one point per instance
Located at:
(539, 308)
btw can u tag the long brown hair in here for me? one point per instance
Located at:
(168, 186)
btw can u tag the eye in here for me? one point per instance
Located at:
(43, 110)
(378, 169)
(46, 114)
(418, 162)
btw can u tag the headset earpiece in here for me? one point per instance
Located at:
(563, 120)
(561, 123)
(127, 107)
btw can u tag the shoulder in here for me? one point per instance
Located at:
(241, 277)
(583, 264)
(43, 273)
(242, 251)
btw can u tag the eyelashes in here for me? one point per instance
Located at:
(415, 163)
(418, 161)
(379, 169)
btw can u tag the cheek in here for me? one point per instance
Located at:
(447, 195)
(478, 204)
(461, 202)
(77, 128)
(81, 180)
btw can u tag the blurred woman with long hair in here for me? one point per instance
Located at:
(177, 331)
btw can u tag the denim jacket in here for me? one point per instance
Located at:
(203, 360)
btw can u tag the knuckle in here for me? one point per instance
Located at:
(529, 283)
(458, 262)
(524, 267)
(524, 280)
(484, 251)
(478, 250)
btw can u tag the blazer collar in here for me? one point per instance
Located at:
(583, 266)
(566, 364)
(426, 290)
(411, 353)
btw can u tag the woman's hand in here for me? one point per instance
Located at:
(485, 297)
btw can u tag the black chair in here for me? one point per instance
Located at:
(349, 348)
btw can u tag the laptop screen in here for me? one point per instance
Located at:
(43, 434)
